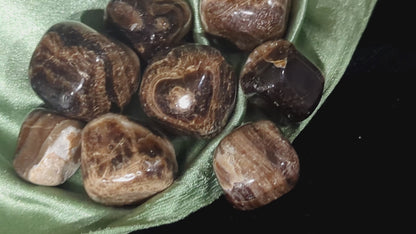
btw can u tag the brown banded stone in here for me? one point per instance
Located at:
(245, 23)
(48, 148)
(192, 90)
(124, 162)
(255, 165)
(279, 74)
(81, 73)
(149, 26)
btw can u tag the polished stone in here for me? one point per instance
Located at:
(247, 24)
(255, 165)
(82, 74)
(48, 148)
(279, 74)
(124, 162)
(191, 91)
(149, 26)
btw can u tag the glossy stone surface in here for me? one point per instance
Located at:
(82, 74)
(245, 23)
(255, 165)
(124, 162)
(48, 148)
(192, 90)
(278, 73)
(150, 26)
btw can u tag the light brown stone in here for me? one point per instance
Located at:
(48, 148)
(255, 165)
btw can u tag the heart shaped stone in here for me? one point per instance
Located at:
(192, 90)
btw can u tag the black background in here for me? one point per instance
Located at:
(356, 154)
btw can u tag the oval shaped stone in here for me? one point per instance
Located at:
(124, 162)
(245, 23)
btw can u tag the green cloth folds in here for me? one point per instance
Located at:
(327, 32)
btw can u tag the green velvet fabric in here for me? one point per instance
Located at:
(327, 32)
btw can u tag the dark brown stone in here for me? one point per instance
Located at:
(149, 26)
(255, 165)
(192, 90)
(138, 164)
(81, 73)
(279, 74)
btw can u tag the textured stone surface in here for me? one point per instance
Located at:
(48, 148)
(123, 162)
(150, 26)
(82, 74)
(192, 90)
(255, 165)
(245, 23)
(276, 72)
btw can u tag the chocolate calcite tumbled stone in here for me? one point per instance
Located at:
(48, 148)
(82, 74)
(124, 162)
(149, 26)
(255, 165)
(280, 75)
(245, 23)
(192, 90)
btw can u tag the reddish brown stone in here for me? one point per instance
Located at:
(280, 75)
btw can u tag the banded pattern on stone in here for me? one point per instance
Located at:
(48, 148)
(192, 90)
(255, 165)
(245, 23)
(124, 162)
(81, 73)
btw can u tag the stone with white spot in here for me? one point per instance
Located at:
(48, 148)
